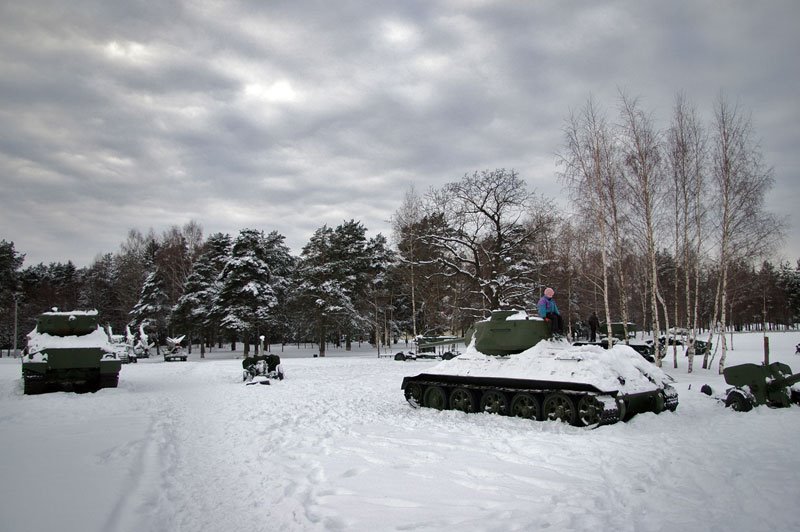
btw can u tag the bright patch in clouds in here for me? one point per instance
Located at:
(400, 33)
(128, 50)
(280, 91)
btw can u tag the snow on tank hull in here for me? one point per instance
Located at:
(583, 386)
(69, 351)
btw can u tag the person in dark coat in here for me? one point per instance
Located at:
(594, 324)
(549, 311)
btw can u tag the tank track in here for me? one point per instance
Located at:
(610, 413)
(670, 398)
(580, 407)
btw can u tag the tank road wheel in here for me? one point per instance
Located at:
(738, 402)
(464, 400)
(494, 402)
(435, 397)
(559, 407)
(413, 393)
(589, 410)
(526, 405)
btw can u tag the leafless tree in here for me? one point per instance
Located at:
(588, 158)
(486, 238)
(741, 182)
(687, 153)
(405, 225)
(644, 176)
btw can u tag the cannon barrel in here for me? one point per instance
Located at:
(424, 344)
(782, 382)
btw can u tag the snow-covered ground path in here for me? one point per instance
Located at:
(187, 447)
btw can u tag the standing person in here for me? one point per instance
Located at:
(549, 311)
(594, 324)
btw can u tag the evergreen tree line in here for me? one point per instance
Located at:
(668, 230)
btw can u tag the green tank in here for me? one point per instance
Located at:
(69, 351)
(513, 367)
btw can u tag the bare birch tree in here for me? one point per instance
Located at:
(687, 152)
(588, 156)
(643, 172)
(741, 182)
(405, 223)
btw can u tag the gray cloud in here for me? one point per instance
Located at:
(290, 115)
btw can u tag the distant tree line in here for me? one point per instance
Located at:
(668, 230)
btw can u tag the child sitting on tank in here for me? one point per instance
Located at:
(549, 311)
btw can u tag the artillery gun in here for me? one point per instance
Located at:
(760, 384)
(259, 369)
(427, 348)
(175, 350)
(510, 368)
(618, 335)
(69, 351)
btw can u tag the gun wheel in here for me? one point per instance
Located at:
(738, 402)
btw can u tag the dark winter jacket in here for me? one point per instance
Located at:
(547, 304)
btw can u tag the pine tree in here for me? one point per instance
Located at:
(246, 298)
(281, 265)
(332, 279)
(380, 290)
(97, 292)
(10, 295)
(153, 305)
(195, 306)
(789, 279)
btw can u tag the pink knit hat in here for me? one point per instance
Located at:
(549, 292)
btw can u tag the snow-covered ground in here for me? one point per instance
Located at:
(185, 446)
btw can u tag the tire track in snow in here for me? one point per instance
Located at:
(145, 479)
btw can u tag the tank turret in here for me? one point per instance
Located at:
(511, 367)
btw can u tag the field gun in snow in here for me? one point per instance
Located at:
(258, 369)
(511, 369)
(426, 348)
(759, 384)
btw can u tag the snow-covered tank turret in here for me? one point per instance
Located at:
(512, 368)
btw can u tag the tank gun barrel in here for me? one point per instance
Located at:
(424, 344)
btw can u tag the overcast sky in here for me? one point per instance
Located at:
(290, 115)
